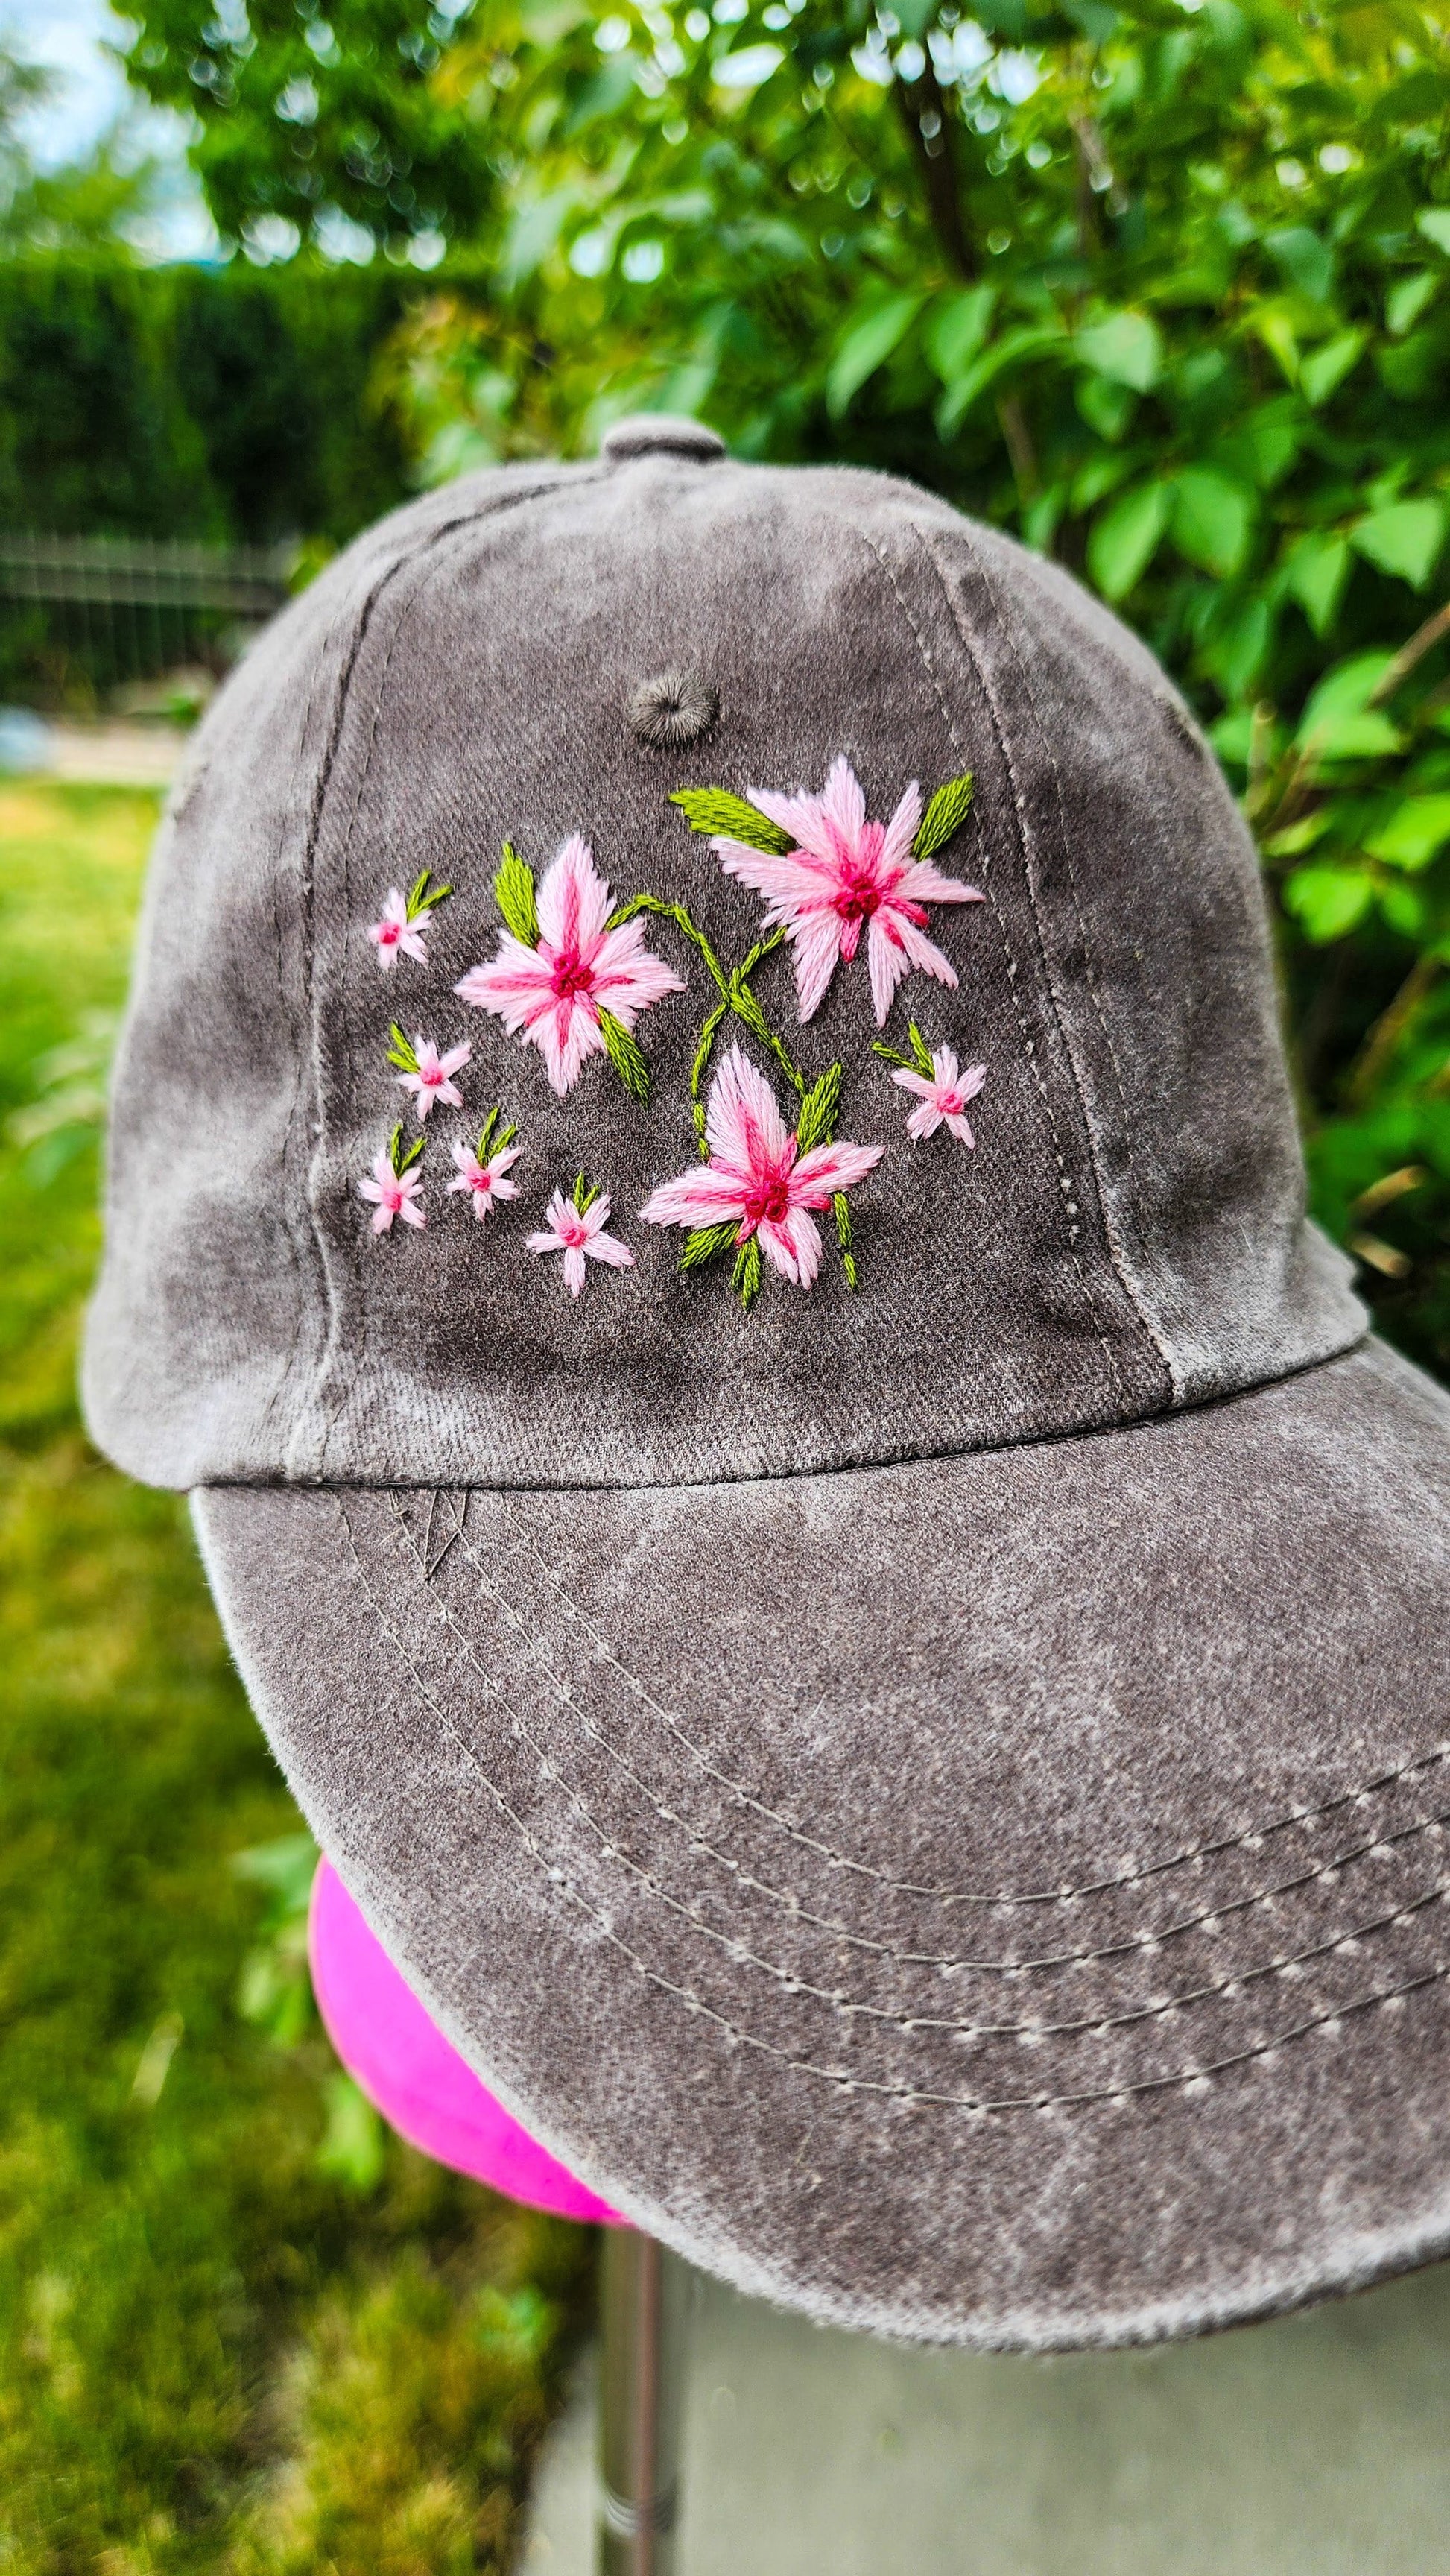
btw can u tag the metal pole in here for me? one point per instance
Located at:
(639, 2405)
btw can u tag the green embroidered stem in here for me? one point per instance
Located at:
(746, 1276)
(400, 1161)
(584, 1198)
(422, 899)
(697, 1075)
(734, 990)
(714, 809)
(843, 1237)
(400, 1052)
(513, 892)
(944, 815)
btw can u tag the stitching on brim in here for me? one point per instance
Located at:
(899, 2016)
(1071, 1895)
(1029, 1044)
(1110, 1230)
(1195, 2078)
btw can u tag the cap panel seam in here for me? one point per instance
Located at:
(1110, 1225)
(1110, 1235)
(1073, 1254)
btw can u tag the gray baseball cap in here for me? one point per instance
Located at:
(704, 1190)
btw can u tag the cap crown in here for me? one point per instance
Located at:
(1126, 1232)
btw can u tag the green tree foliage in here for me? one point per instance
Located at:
(1162, 286)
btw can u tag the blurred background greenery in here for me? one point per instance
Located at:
(1164, 288)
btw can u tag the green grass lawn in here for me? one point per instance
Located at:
(241, 2328)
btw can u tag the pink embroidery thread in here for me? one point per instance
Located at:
(483, 1172)
(394, 1187)
(576, 1228)
(426, 1073)
(404, 919)
(564, 978)
(759, 1186)
(942, 1089)
(841, 874)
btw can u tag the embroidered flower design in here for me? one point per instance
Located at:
(405, 917)
(942, 1089)
(576, 1228)
(837, 874)
(394, 1186)
(426, 1073)
(565, 979)
(759, 1185)
(483, 1173)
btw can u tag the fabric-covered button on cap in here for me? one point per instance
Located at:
(649, 432)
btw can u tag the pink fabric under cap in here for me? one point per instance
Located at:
(418, 2081)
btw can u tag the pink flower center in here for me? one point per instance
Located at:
(571, 976)
(482, 1182)
(388, 933)
(432, 1074)
(769, 1200)
(950, 1103)
(393, 1195)
(575, 1232)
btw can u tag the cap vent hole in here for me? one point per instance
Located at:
(675, 708)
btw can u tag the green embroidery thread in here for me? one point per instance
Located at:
(714, 809)
(423, 898)
(513, 892)
(402, 1162)
(920, 1058)
(400, 1050)
(488, 1143)
(583, 1197)
(944, 815)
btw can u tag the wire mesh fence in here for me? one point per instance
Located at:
(84, 617)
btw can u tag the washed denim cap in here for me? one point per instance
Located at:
(704, 1191)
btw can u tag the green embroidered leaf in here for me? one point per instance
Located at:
(706, 1242)
(400, 1161)
(944, 815)
(746, 1280)
(419, 898)
(922, 1052)
(400, 1052)
(584, 1198)
(624, 1055)
(816, 1124)
(513, 892)
(714, 809)
(746, 1007)
(843, 1237)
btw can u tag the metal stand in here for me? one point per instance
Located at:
(639, 2406)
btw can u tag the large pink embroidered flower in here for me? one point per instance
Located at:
(430, 1077)
(756, 1179)
(578, 1232)
(393, 1194)
(845, 873)
(486, 1181)
(397, 931)
(943, 1094)
(554, 992)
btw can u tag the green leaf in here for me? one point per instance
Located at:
(513, 892)
(1434, 223)
(944, 815)
(865, 346)
(1407, 299)
(1213, 519)
(1322, 369)
(1125, 347)
(1329, 901)
(1410, 838)
(705, 1243)
(353, 2149)
(714, 809)
(624, 1055)
(746, 1279)
(1304, 260)
(1316, 573)
(816, 1124)
(921, 1051)
(957, 330)
(400, 1052)
(1125, 538)
(1405, 539)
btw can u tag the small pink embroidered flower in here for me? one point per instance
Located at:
(404, 919)
(561, 976)
(842, 875)
(942, 1094)
(483, 1173)
(756, 1178)
(426, 1073)
(394, 1186)
(576, 1228)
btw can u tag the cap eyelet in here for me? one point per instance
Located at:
(674, 708)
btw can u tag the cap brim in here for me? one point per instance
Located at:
(997, 1898)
